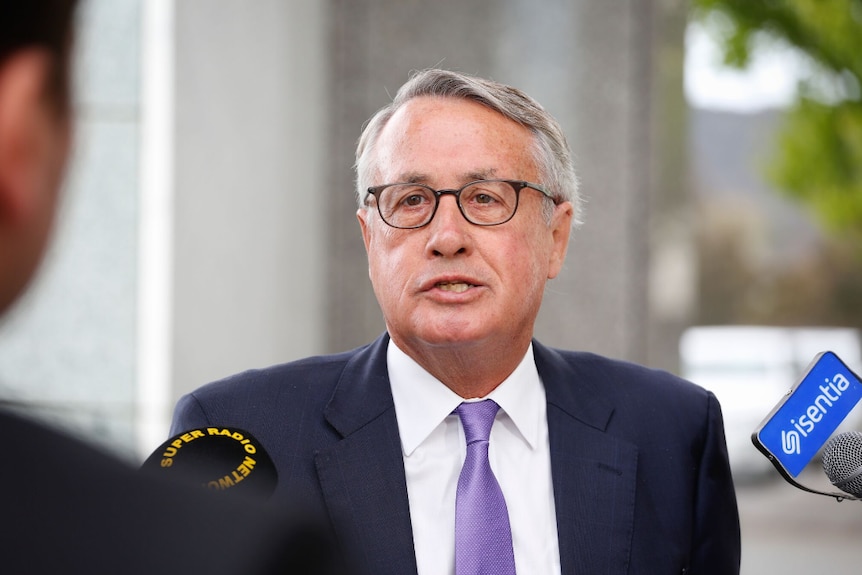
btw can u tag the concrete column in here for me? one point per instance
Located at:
(247, 252)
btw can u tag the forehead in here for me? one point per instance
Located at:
(435, 137)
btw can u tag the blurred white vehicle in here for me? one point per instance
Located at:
(750, 368)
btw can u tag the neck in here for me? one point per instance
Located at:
(469, 370)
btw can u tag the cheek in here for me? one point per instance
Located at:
(383, 247)
(529, 254)
(387, 265)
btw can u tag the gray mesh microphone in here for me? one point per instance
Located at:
(842, 462)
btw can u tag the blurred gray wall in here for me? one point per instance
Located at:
(214, 220)
(250, 190)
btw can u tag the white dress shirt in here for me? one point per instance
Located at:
(434, 448)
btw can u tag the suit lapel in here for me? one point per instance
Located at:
(362, 476)
(594, 473)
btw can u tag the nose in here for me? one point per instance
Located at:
(449, 231)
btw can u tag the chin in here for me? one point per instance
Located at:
(451, 334)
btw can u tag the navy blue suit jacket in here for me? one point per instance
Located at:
(638, 458)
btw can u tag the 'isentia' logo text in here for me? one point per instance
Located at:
(805, 423)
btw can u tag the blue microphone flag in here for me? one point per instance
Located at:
(796, 429)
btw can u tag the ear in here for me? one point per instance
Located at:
(362, 216)
(561, 229)
(23, 111)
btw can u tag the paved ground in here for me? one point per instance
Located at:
(787, 531)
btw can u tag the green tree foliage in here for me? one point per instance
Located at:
(819, 157)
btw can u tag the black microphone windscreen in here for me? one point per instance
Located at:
(216, 458)
(842, 462)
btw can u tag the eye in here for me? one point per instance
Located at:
(407, 196)
(482, 198)
(413, 200)
(485, 194)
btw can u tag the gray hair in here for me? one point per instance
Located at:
(550, 149)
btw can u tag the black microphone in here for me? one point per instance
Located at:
(842, 462)
(220, 459)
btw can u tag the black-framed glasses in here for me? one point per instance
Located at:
(483, 202)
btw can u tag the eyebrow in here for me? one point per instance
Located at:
(422, 178)
(413, 178)
(481, 175)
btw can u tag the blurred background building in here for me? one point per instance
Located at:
(209, 224)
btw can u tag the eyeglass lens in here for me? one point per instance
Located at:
(413, 205)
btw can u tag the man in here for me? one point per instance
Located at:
(68, 508)
(467, 197)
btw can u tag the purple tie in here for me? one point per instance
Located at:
(483, 538)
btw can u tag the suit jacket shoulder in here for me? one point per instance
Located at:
(329, 424)
(595, 387)
(639, 463)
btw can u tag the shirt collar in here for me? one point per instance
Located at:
(422, 401)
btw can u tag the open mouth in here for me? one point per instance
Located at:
(457, 287)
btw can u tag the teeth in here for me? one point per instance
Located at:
(457, 287)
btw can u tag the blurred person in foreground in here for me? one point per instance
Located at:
(68, 508)
(467, 196)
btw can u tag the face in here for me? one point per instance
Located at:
(34, 143)
(452, 283)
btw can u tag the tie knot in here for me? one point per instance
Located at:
(477, 418)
